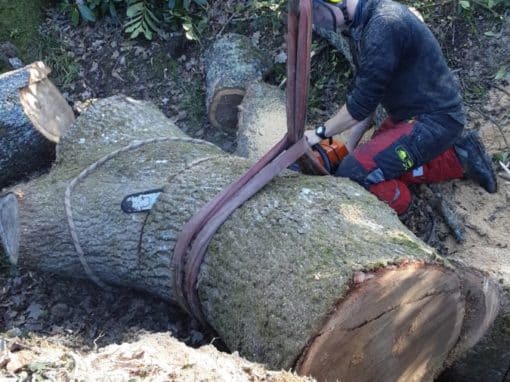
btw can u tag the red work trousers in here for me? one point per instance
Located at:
(401, 154)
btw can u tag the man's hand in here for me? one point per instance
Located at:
(312, 138)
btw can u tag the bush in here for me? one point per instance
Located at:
(19, 21)
(143, 16)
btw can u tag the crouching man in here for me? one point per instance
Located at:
(399, 64)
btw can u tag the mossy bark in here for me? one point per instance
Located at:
(283, 264)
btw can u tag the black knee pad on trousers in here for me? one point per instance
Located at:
(352, 169)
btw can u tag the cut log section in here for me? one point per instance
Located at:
(232, 63)
(312, 272)
(33, 117)
(262, 120)
(390, 320)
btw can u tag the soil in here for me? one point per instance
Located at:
(64, 329)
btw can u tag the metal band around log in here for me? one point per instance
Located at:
(195, 236)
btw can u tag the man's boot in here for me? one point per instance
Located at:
(475, 161)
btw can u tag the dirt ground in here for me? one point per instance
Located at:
(68, 330)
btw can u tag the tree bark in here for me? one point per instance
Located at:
(262, 120)
(232, 62)
(312, 272)
(33, 116)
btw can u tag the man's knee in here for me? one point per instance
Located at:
(351, 168)
(355, 170)
(393, 192)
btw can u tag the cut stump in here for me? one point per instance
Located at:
(232, 62)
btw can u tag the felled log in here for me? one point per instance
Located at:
(33, 116)
(262, 120)
(231, 63)
(312, 273)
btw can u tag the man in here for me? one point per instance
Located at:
(399, 64)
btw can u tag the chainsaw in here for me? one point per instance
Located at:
(330, 152)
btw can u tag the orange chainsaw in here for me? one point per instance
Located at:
(330, 152)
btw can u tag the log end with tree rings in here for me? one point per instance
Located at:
(395, 325)
(231, 63)
(47, 109)
(33, 117)
(224, 108)
(9, 227)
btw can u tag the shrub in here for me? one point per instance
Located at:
(143, 16)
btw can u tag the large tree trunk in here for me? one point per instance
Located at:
(312, 272)
(33, 116)
(232, 62)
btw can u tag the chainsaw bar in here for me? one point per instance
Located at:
(140, 201)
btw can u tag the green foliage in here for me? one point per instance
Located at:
(329, 77)
(181, 13)
(496, 7)
(434, 10)
(143, 17)
(89, 10)
(54, 53)
(19, 21)
(503, 156)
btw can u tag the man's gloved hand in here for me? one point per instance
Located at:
(312, 137)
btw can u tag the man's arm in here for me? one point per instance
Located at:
(357, 132)
(339, 123)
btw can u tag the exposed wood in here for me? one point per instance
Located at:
(262, 120)
(232, 62)
(305, 270)
(33, 116)
(398, 301)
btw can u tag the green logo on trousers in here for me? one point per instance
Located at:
(404, 157)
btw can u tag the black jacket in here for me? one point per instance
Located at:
(400, 65)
